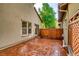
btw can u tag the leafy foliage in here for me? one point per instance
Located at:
(47, 15)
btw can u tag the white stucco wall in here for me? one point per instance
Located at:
(11, 16)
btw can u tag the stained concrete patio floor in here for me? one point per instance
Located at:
(36, 47)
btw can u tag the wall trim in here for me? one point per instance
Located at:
(16, 43)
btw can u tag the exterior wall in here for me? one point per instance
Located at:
(11, 16)
(65, 28)
(60, 24)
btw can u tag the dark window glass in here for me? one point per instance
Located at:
(29, 27)
(36, 28)
(24, 27)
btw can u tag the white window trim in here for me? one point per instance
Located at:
(30, 28)
(37, 31)
(28, 34)
(27, 30)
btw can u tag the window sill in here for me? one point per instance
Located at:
(24, 35)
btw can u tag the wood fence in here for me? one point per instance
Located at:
(74, 33)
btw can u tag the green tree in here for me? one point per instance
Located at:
(47, 15)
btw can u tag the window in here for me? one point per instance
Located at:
(29, 28)
(24, 27)
(36, 28)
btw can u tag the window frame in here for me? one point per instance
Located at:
(26, 29)
(36, 29)
(29, 27)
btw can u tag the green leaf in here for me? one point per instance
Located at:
(47, 15)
